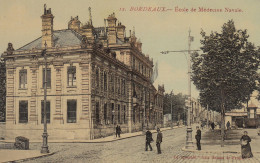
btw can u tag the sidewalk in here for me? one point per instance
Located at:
(20, 155)
(99, 140)
(8, 155)
(232, 144)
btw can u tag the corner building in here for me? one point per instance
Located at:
(97, 78)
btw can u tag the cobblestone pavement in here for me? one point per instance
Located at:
(132, 150)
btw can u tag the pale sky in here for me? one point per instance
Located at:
(20, 23)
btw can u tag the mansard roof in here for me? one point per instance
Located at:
(61, 38)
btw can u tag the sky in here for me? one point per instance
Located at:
(20, 23)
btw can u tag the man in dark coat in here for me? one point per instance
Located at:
(118, 131)
(213, 125)
(149, 139)
(159, 141)
(198, 138)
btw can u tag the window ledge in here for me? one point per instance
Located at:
(71, 86)
(22, 88)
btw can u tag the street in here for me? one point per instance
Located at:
(132, 150)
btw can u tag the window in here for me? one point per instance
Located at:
(48, 113)
(48, 77)
(118, 113)
(97, 113)
(134, 62)
(23, 111)
(134, 114)
(71, 111)
(113, 112)
(123, 87)
(23, 78)
(105, 113)
(118, 85)
(71, 76)
(105, 81)
(112, 83)
(124, 114)
(97, 78)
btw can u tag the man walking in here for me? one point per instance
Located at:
(198, 137)
(149, 139)
(159, 141)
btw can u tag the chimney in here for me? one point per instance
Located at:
(74, 24)
(121, 31)
(112, 29)
(47, 28)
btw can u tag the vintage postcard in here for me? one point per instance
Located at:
(129, 81)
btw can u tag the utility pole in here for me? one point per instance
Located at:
(189, 143)
(45, 134)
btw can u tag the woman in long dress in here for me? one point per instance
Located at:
(245, 146)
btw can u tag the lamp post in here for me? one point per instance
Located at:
(45, 134)
(189, 143)
(171, 113)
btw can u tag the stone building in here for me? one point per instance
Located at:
(97, 78)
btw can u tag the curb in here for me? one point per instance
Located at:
(202, 151)
(31, 158)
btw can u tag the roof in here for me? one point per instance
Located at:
(252, 105)
(62, 38)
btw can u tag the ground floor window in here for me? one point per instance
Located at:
(124, 114)
(71, 111)
(23, 111)
(97, 113)
(119, 114)
(48, 113)
(113, 112)
(105, 113)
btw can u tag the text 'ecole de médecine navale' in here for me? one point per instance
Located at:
(96, 78)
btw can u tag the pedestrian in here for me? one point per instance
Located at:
(228, 125)
(149, 139)
(118, 131)
(198, 138)
(159, 141)
(245, 146)
(212, 126)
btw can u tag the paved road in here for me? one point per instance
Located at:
(126, 150)
(132, 150)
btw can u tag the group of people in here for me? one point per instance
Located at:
(245, 142)
(149, 140)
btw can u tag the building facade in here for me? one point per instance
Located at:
(97, 78)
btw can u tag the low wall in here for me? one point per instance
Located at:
(2, 130)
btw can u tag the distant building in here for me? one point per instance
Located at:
(247, 116)
(96, 78)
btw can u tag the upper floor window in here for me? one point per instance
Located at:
(23, 78)
(134, 62)
(48, 77)
(112, 83)
(71, 76)
(105, 80)
(97, 77)
(23, 111)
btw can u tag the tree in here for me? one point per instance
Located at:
(178, 105)
(2, 90)
(226, 72)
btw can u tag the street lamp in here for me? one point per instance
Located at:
(189, 143)
(45, 134)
